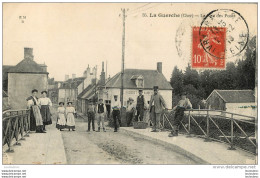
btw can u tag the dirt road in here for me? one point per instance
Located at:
(110, 147)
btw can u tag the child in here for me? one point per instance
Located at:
(61, 120)
(70, 111)
(91, 115)
(183, 104)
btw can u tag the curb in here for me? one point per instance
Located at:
(167, 145)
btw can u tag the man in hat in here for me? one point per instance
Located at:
(101, 112)
(91, 115)
(116, 105)
(130, 111)
(140, 105)
(159, 106)
(183, 104)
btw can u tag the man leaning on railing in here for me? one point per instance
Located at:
(183, 104)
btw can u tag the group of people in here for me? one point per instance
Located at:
(99, 112)
(65, 118)
(156, 106)
(40, 114)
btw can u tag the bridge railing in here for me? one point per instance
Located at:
(239, 131)
(16, 126)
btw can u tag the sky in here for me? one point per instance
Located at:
(68, 37)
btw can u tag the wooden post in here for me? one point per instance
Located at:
(207, 139)
(232, 134)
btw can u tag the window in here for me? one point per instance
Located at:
(140, 83)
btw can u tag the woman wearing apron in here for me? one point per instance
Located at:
(70, 111)
(36, 122)
(61, 120)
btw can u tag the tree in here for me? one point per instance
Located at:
(191, 76)
(177, 81)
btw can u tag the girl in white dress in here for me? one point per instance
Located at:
(70, 111)
(61, 120)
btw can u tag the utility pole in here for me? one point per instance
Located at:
(123, 64)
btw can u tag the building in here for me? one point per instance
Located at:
(234, 101)
(53, 90)
(19, 80)
(68, 90)
(6, 105)
(133, 80)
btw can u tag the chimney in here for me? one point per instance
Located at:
(28, 53)
(73, 76)
(103, 76)
(67, 77)
(159, 67)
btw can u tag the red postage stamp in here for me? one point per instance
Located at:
(208, 47)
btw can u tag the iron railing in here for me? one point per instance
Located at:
(239, 131)
(16, 126)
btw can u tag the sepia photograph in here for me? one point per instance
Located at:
(130, 84)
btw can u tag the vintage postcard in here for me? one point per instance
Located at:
(130, 83)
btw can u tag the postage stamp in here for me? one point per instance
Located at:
(208, 47)
(223, 34)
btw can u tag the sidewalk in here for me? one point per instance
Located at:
(210, 152)
(38, 148)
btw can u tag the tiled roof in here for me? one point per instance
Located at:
(85, 91)
(27, 66)
(151, 78)
(72, 83)
(237, 96)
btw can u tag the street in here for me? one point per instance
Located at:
(110, 147)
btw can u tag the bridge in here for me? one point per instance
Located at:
(206, 137)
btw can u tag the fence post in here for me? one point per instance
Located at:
(232, 134)
(189, 125)
(163, 122)
(27, 123)
(207, 139)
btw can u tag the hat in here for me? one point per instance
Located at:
(115, 96)
(61, 103)
(34, 90)
(140, 90)
(131, 99)
(69, 102)
(44, 92)
(155, 87)
(100, 99)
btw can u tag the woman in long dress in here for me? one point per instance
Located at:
(35, 115)
(61, 120)
(70, 111)
(45, 104)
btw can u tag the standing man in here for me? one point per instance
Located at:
(116, 112)
(130, 112)
(140, 106)
(91, 115)
(159, 106)
(101, 112)
(182, 105)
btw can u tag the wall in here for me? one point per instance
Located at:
(215, 102)
(66, 95)
(21, 85)
(242, 108)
